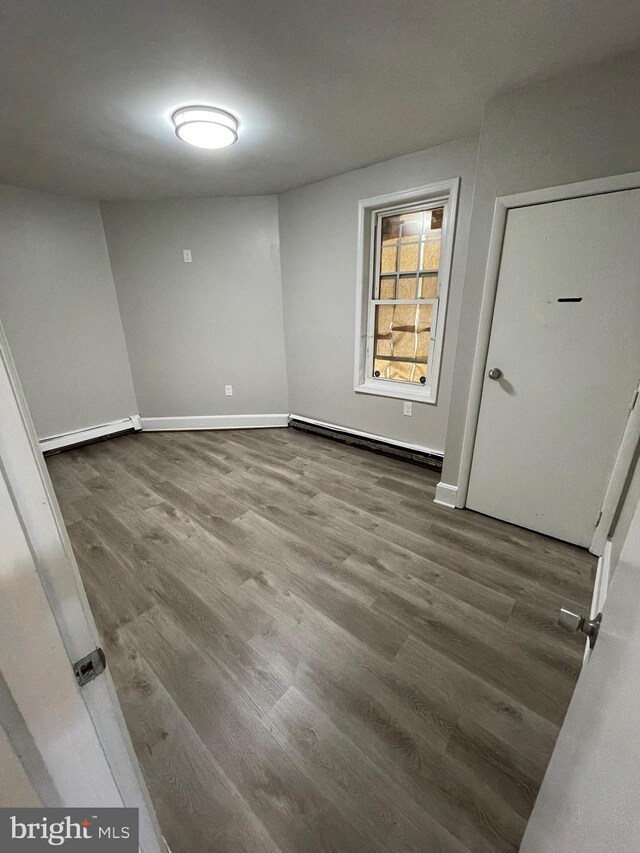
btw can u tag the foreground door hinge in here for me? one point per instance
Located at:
(89, 667)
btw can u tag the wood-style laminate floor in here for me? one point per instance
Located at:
(313, 656)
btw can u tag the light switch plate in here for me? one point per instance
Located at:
(408, 408)
(186, 256)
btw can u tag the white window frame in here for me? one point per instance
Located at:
(442, 194)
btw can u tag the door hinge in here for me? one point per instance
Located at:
(598, 518)
(635, 398)
(90, 667)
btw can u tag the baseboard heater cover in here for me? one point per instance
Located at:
(207, 422)
(425, 458)
(89, 435)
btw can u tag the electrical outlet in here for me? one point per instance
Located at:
(228, 390)
(408, 408)
(186, 256)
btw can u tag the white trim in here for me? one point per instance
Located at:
(601, 584)
(348, 431)
(445, 192)
(397, 390)
(214, 422)
(618, 479)
(67, 439)
(446, 495)
(615, 183)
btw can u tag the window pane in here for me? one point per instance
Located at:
(388, 259)
(412, 226)
(384, 322)
(409, 255)
(431, 254)
(387, 288)
(402, 337)
(432, 238)
(400, 371)
(436, 218)
(428, 287)
(407, 287)
(390, 229)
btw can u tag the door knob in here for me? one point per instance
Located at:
(574, 622)
(495, 373)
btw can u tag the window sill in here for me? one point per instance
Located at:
(402, 392)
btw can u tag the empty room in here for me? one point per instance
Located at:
(319, 482)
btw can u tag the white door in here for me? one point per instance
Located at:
(566, 338)
(70, 741)
(588, 801)
(49, 711)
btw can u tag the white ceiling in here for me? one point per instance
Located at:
(319, 86)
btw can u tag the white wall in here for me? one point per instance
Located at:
(574, 128)
(318, 233)
(59, 310)
(193, 328)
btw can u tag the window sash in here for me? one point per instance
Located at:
(405, 301)
(371, 337)
(374, 291)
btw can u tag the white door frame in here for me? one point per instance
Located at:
(503, 204)
(25, 473)
(619, 477)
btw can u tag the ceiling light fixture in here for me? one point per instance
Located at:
(205, 127)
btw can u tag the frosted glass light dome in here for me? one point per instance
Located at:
(205, 127)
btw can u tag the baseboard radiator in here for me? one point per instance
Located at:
(416, 457)
(79, 438)
(89, 435)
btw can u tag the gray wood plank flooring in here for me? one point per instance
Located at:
(313, 656)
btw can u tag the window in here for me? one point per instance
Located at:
(406, 251)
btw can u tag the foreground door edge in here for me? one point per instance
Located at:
(37, 509)
(588, 798)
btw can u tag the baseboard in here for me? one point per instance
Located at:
(446, 495)
(196, 422)
(88, 435)
(377, 443)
